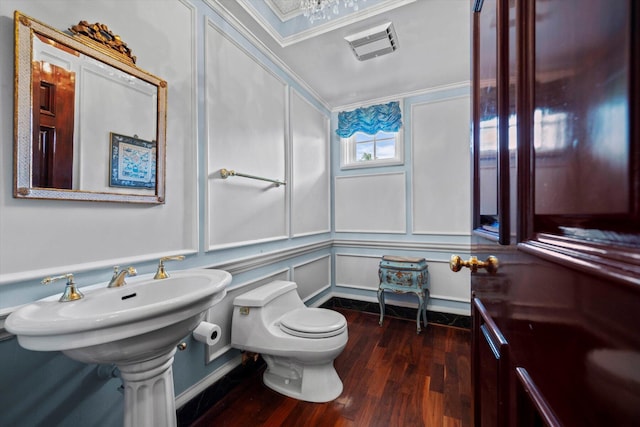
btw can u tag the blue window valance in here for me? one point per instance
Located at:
(370, 120)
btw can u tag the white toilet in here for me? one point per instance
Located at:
(298, 343)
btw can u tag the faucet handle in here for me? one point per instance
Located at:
(162, 273)
(71, 293)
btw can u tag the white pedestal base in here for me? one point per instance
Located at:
(149, 398)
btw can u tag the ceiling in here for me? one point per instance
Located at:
(433, 39)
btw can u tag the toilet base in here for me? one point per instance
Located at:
(311, 383)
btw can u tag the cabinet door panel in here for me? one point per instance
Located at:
(491, 367)
(581, 114)
(531, 407)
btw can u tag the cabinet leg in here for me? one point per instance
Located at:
(420, 305)
(424, 313)
(381, 302)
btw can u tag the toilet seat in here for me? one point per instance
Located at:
(313, 323)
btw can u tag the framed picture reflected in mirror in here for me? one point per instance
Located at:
(132, 162)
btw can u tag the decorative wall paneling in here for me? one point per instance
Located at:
(440, 166)
(310, 170)
(246, 34)
(446, 244)
(285, 131)
(372, 203)
(246, 131)
(358, 274)
(264, 259)
(357, 271)
(312, 276)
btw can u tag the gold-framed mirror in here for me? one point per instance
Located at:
(88, 123)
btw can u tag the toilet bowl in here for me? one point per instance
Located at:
(299, 344)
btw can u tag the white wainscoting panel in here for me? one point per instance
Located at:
(447, 285)
(441, 162)
(312, 276)
(371, 203)
(222, 313)
(310, 210)
(361, 272)
(246, 107)
(357, 271)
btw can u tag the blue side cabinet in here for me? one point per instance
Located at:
(402, 275)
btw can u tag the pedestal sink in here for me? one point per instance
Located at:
(136, 327)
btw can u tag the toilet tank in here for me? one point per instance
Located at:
(257, 309)
(261, 296)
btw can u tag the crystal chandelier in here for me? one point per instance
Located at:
(323, 9)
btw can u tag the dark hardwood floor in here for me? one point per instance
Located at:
(391, 376)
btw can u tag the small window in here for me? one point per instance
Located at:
(364, 150)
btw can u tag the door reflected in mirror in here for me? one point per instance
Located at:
(72, 95)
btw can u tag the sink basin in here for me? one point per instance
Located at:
(121, 325)
(136, 327)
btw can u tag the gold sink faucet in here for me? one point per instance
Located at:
(118, 277)
(161, 273)
(71, 293)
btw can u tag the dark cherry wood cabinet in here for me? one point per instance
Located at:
(556, 184)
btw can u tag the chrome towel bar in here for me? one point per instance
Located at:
(225, 173)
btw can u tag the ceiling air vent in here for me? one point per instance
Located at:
(375, 41)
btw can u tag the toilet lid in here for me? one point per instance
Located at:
(313, 323)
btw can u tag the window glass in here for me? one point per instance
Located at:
(361, 149)
(364, 150)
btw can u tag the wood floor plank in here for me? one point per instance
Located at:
(281, 413)
(378, 380)
(392, 377)
(366, 411)
(437, 378)
(432, 409)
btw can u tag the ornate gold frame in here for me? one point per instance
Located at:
(114, 53)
